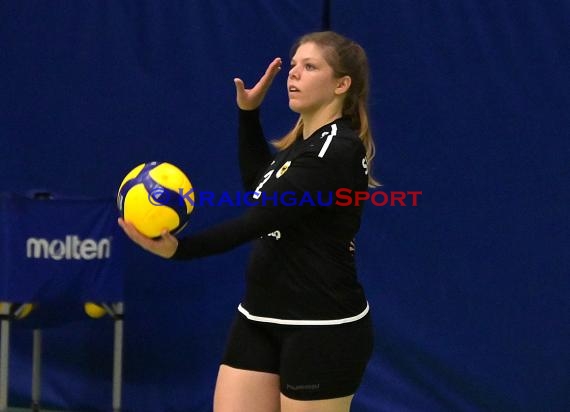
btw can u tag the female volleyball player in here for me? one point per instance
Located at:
(302, 336)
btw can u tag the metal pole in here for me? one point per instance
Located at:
(118, 355)
(4, 353)
(36, 370)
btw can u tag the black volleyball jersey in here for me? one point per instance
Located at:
(302, 267)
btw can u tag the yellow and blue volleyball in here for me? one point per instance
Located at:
(155, 196)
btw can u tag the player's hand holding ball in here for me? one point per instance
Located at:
(164, 246)
(155, 201)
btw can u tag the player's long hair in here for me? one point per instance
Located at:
(347, 58)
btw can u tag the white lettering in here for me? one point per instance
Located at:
(57, 249)
(257, 192)
(365, 165)
(276, 234)
(70, 248)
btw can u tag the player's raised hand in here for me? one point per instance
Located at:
(165, 246)
(250, 99)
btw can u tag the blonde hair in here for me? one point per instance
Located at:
(346, 58)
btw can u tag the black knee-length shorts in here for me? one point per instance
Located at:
(313, 362)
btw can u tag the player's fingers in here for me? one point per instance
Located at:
(169, 245)
(241, 94)
(240, 87)
(166, 235)
(270, 73)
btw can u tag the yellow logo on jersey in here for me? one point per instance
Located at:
(283, 169)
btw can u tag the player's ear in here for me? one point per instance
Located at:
(343, 84)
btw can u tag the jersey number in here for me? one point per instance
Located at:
(266, 177)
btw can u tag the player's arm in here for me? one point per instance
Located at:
(307, 175)
(254, 153)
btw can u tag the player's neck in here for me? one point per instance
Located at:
(314, 121)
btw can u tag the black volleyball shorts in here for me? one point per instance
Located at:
(313, 362)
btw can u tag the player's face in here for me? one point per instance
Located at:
(311, 83)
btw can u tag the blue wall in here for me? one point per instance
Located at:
(469, 290)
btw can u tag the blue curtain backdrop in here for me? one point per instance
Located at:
(469, 290)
